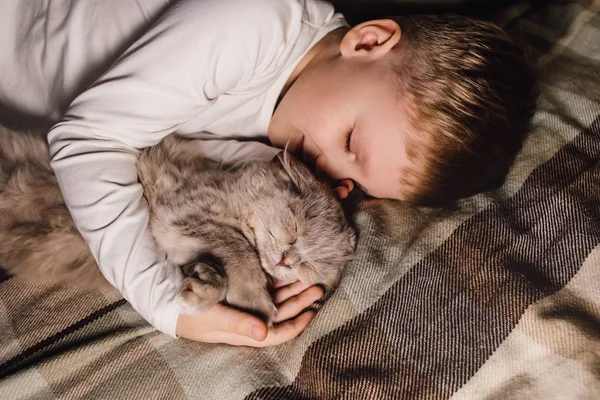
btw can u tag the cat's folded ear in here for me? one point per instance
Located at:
(295, 170)
(248, 231)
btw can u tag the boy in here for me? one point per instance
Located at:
(428, 112)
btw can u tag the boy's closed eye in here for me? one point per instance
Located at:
(349, 139)
(349, 146)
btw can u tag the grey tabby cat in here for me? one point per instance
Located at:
(224, 229)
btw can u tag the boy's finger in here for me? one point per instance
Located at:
(288, 291)
(343, 188)
(276, 335)
(341, 192)
(288, 330)
(237, 322)
(279, 283)
(221, 318)
(227, 338)
(295, 304)
(348, 183)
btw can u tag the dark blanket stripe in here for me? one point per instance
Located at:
(35, 353)
(438, 324)
(4, 275)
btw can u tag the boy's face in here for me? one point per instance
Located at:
(343, 118)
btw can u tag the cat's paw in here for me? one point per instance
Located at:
(264, 307)
(270, 315)
(258, 302)
(204, 287)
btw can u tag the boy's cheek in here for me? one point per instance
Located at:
(322, 170)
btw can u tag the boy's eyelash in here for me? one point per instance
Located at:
(348, 137)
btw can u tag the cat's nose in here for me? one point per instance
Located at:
(285, 262)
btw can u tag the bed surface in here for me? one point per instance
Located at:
(499, 298)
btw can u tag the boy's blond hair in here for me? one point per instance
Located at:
(470, 94)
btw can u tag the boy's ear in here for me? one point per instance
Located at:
(371, 38)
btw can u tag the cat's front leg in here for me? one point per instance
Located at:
(248, 287)
(230, 272)
(204, 286)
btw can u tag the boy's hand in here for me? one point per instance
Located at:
(223, 324)
(343, 188)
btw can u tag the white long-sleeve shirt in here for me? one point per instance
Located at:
(210, 66)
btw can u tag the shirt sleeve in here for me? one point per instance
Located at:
(196, 51)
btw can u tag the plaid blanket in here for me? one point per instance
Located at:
(499, 298)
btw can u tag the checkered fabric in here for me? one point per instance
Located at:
(499, 298)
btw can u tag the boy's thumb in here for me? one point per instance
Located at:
(258, 332)
(243, 324)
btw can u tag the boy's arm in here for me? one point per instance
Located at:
(175, 70)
